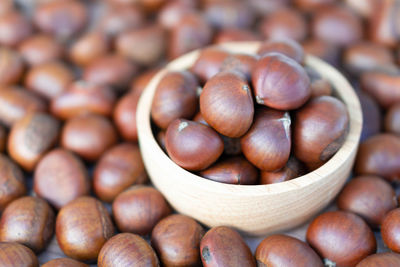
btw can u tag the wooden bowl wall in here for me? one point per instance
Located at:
(255, 209)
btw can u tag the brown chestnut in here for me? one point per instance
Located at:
(324, 50)
(320, 129)
(320, 87)
(284, 251)
(64, 262)
(127, 250)
(125, 116)
(371, 110)
(370, 197)
(82, 228)
(241, 63)
(176, 239)
(392, 119)
(223, 246)
(226, 104)
(40, 49)
(293, 169)
(192, 145)
(389, 230)
(60, 177)
(280, 82)
(142, 80)
(11, 67)
(383, 23)
(170, 14)
(14, 28)
(235, 35)
(6, 6)
(267, 144)
(118, 168)
(121, 18)
(15, 254)
(88, 48)
(287, 47)
(209, 62)
(341, 238)
(29, 221)
(310, 5)
(387, 259)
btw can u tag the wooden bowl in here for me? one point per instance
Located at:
(254, 209)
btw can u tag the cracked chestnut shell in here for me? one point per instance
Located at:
(320, 129)
(280, 82)
(267, 144)
(226, 104)
(192, 145)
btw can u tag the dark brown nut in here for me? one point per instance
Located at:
(380, 155)
(176, 239)
(31, 137)
(64, 262)
(16, 102)
(175, 97)
(387, 259)
(384, 24)
(6, 6)
(82, 227)
(129, 206)
(12, 182)
(285, 23)
(334, 234)
(311, 5)
(287, 47)
(60, 177)
(235, 170)
(346, 26)
(268, 142)
(241, 63)
(293, 169)
(280, 82)
(192, 145)
(121, 18)
(366, 56)
(15, 254)
(371, 110)
(320, 87)
(173, 11)
(142, 80)
(83, 97)
(370, 197)
(392, 119)
(281, 250)
(324, 50)
(209, 63)
(384, 87)
(11, 67)
(3, 139)
(88, 135)
(14, 28)
(125, 116)
(222, 246)
(191, 32)
(110, 70)
(88, 48)
(223, 14)
(119, 168)
(49, 79)
(236, 35)
(29, 221)
(144, 46)
(127, 250)
(390, 230)
(320, 129)
(40, 49)
(63, 18)
(226, 104)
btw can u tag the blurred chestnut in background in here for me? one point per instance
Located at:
(170, 14)
(286, 47)
(383, 23)
(142, 80)
(236, 35)
(363, 8)
(6, 6)
(371, 111)
(392, 119)
(21, 255)
(125, 116)
(88, 48)
(121, 18)
(209, 62)
(390, 230)
(324, 50)
(387, 259)
(41, 48)
(14, 28)
(293, 169)
(311, 5)
(240, 63)
(11, 67)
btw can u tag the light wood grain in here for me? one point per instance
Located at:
(258, 209)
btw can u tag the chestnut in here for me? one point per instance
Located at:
(235, 35)
(266, 7)
(320, 129)
(226, 104)
(311, 5)
(3, 139)
(368, 196)
(320, 87)
(14, 28)
(234, 170)
(192, 145)
(371, 110)
(383, 23)
(29, 221)
(12, 181)
(40, 49)
(31, 137)
(15, 254)
(170, 13)
(363, 8)
(268, 142)
(121, 18)
(293, 169)
(129, 206)
(64, 262)
(127, 250)
(341, 238)
(324, 50)
(60, 177)
(118, 168)
(389, 230)
(6, 6)
(124, 116)
(281, 250)
(82, 228)
(280, 82)
(176, 239)
(11, 67)
(392, 119)
(175, 97)
(142, 80)
(88, 48)
(379, 155)
(288, 47)
(241, 63)
(387, 259)
(223, 246)
(83, 97)
(209, 62)
(88, 136)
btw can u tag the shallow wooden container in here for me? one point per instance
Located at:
(255, 209)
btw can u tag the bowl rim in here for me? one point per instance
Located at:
(343, 89)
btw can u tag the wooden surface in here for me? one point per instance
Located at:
(257, 209)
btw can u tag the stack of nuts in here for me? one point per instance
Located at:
(71, 173)
(242, 106)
